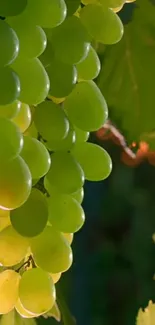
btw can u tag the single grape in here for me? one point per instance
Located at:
(51, 121)
(36, 157)
(37, 291)
(46, 13)
(30, 219)
(70, 41)
(22, 311)
(90, 67)
(55, 277)
(65, 213)
(13, 247)
(23, 118)
(79, 195)
(4, 219)
(11, 139)
(72, 6)
(12, 8)
(51, 251)
(10, 48)
(86, 106)
(102, 24)
(15, 183)
(32, 38)
(81, 136)
(9, 86)
(9, 282)
(95, 161)
(69, 237)
(62, 77)
(64, 144)
(34, 80)
(11, 110)
(65, 173)
(31, 131)
(48, 55)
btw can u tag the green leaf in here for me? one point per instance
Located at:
(127, 79)
(54, 312)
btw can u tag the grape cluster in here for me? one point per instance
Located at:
(48, 107)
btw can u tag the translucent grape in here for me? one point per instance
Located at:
(32, 38)
(65, 173)
(23, 118)
(13, 247)
(10, 48)
(90, 67)
(70, 41)
(72, 6)
(51, 251)
(102, 23)
(12, 8)
(64, 144)
(51, 121)
(37, 291)
(9, 282)
(36, 157)
(81, 136)
(4, 219)
(94, 160)
(65, 213)
(69, 237)
(55, 277)
(10, 110)
(62, 77)
(9, 86)
(86, 106)
(46, 13)
(30, 219)
(22, 311)
(11, 139)
(15, 183)
(34, 80)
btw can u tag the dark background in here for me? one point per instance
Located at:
(114, 254)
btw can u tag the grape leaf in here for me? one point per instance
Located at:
(127, 78)
(54, 312)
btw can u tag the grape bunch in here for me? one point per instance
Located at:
(49, 104)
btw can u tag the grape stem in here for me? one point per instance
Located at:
(27, 263)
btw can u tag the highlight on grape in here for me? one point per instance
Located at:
(49, 104)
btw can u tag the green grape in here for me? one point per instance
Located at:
(23, 118)
(31, 131)
(94, 160)
(48, 55)
(32, 38)
(81, 136)
(86, 106)
(12, 8)
(90, 67)
(51, 251)
(9, 86)
(79, 195)
(64, 144)
(55, 277)
(30, 219)
(37, 291)
(10, 42)
(11, 110)
(13, 247)
(70, 41)
(69, 237)
(4, 219)
(36, 157)
(15, 183)
(23, 312)
(46, 13)
(102, 24)
(112, 3)
(65, 213)
(72, 6)
(51, 121)
(9, 282)
(62, 77)
(11, 139)
(65, 173)
(34, 80)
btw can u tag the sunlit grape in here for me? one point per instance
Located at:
(55, 277)
(9, 86)
(23, 118)
(11, 110)
(69, 237)
(13, 247)
(94, 160)
(9, 282)
(37, 291)
(51, 251)
(15, 183)
(4, 219)
(86, 106)
(10, 42)
(22, 311)
(36, 157)
(90, 67)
